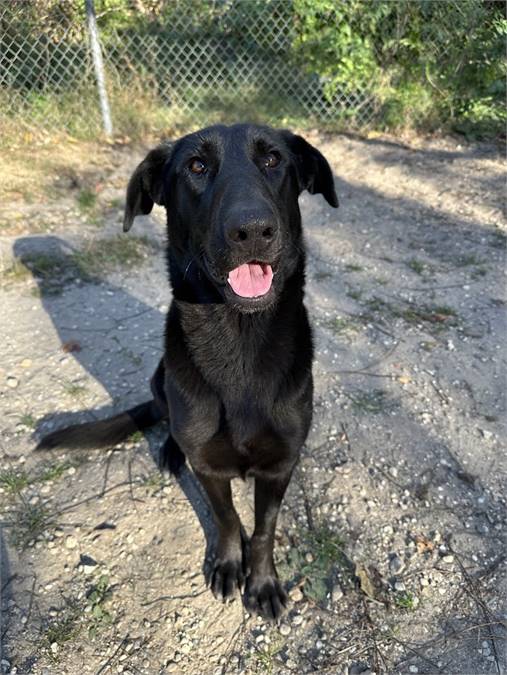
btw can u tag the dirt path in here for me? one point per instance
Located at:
(390, 537)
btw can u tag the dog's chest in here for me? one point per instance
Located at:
(236, 359)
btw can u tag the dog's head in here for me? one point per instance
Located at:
(231, 195)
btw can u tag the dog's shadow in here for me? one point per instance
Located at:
(115, 337)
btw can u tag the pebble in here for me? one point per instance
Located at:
(336, 593)
(448, 558)
(399, 586)
(71, 542)
(87, 564)
(296, 594)
(413, 669)
(285, 629)
(12, 382)
(396, 564)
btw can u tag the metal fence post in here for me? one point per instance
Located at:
(98, 65)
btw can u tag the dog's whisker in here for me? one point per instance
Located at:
(188, 267)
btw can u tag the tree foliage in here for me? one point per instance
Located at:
(422, 62)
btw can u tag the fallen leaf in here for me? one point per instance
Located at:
(71, 346)
(423, 544)
(365, 582)
(436, 317)
(404, 379)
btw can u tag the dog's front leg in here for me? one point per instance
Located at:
(229, 566)
(264, 593)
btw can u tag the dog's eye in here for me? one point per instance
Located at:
(197, 166)
(271, 160)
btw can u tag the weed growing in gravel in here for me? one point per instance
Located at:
(154, 481)
(355, 294)
(374, 401)
(428, 345)
(73, 388)
(54, 271)
(97, 600)
(438, 317)
(405, 601)
(61, 631)
(110, 253)
(467, 260)
(28, 521)
(15, 270)
(416, 266)
(40, 265)
(53, 471)
(27, 420)
(347, 326)
(87, 199)
(14, 480)
(265, 659)
(325, 558)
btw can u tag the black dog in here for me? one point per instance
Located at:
(235, 382)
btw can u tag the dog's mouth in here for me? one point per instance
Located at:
(251, 280)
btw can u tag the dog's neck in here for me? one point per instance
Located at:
(201, 305)
(243, 354)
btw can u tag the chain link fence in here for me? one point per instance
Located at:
(199, 59)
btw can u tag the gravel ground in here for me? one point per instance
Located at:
(390, 536)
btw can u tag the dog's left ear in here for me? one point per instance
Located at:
(314, 172)
(146, 186)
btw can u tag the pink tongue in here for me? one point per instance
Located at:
(251, 279)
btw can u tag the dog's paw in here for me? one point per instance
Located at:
(265, 596)
(226, 577)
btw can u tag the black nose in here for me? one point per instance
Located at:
(250, 229)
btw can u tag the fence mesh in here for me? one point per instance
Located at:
(168, 58)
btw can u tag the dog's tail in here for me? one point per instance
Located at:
(104, 433)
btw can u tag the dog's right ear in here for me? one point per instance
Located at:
(146, 186)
